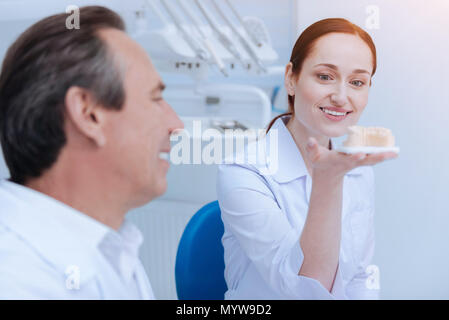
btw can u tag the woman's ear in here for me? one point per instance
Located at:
(289, 80)
(86, 115)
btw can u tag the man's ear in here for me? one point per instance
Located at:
(86, 114)
(289, 80)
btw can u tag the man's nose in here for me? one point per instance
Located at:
(174, 122)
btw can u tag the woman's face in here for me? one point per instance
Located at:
(335, 77)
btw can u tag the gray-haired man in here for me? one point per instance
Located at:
(82, 127)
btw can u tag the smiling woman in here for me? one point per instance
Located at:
(297, 233)
(333, 82)
(308, 41)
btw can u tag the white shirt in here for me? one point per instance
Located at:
(264, 214)
(49, 250)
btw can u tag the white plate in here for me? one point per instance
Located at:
(352, 150)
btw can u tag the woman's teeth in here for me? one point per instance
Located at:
(334, 113)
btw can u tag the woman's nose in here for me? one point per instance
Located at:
(339, 97)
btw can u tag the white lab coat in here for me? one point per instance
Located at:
(264, 215)
(49, 250)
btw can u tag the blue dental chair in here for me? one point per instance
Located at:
(199, 269)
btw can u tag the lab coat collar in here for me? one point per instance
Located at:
(291, 163)
(63, 236)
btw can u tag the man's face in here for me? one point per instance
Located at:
(140, 132)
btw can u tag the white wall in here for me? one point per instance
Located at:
(410, 95)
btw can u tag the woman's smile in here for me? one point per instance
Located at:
(334, 114)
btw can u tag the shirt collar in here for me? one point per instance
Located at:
(121, 249)
(291, 163)
(62, 235)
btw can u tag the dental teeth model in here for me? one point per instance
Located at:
(369, 137)
(368, 140)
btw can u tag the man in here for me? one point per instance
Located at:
(82, 127)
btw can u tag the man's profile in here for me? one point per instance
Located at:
(82, 126)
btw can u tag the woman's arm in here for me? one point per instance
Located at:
(321, 236)
(252, 215)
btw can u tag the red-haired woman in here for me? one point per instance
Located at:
(306, 230)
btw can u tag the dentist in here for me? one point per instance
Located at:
(306, 230)
(82, 126)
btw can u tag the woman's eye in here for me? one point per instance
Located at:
(324, 77)
(358, 83)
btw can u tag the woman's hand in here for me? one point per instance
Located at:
(330, 163)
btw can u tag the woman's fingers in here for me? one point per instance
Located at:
(352, 160)
(358, 156)
(365, 159)
(313, 149)
(334, 161)
(372, 159)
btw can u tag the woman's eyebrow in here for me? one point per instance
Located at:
(332, 66)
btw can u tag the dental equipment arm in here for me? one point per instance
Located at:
(203, 55)
(227, 43)
(245, 26)
(242, 40)
(158, 12)
(204, 38)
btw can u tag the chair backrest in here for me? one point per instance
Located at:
(199, 269)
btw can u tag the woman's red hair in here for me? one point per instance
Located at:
(307, 39)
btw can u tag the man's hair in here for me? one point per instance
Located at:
(38, 69)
